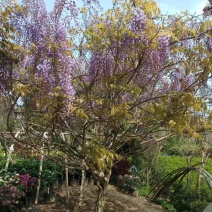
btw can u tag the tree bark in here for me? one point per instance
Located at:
(9, 157)
(101, 199)
(202, 166)
(82, 186)
(66, 172)
(102, 183)
(39, 177)
(79, 203)
(66, 138)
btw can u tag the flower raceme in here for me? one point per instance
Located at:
(46, 64)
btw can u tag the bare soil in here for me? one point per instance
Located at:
(115, 201)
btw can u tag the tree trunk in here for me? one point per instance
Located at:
(100, 204)
(188, 162)
(66, 138)
(79, 203)
(82, 185)
(39, 177)
(66, 172)
(202, 165)
(103, 185)
(11, 149)
(148, 171)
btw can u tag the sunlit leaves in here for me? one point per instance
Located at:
(8, 48)
(21, 89)
(79, 112)
(99, 156)
(120, 111)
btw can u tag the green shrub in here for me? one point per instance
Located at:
(22, 166)
(144, 191)
(31, 166)
(183, 194)
(167, 164)
(198, 205)
(128, 182)
(166, 205)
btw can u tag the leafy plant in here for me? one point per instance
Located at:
(166, 205)
(31, 166)
(14, 187)
(22, 166)
(128, 182)
(7, 177)
(177, 176)
(10, 196)
(27, 182)
(181, 194)
(48, 177)
(143, 190)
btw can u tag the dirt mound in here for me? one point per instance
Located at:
(115, 201)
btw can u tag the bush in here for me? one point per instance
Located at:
(121, 168)
(2, 161)
(22, 166)
(48, 177)
(10, 196)
(27, 182)
(166, 205)
(186, 201)
(14, 188)
(183, 194)
(128, 182)
(31, 166)
(28, 170)
(143, 191)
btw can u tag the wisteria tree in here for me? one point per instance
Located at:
(110, 81)
(144, 72)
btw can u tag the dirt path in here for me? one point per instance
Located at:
(127, 203)
(115, 202)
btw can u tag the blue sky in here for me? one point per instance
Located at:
(175, 6)
(166, 6)
(171, 6)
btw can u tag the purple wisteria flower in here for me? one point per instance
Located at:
(44, 36)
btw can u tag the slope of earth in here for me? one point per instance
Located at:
(115, 201)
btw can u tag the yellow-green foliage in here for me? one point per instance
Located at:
(167, 164)
(185, 198)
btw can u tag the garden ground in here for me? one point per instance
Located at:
(115, 201)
